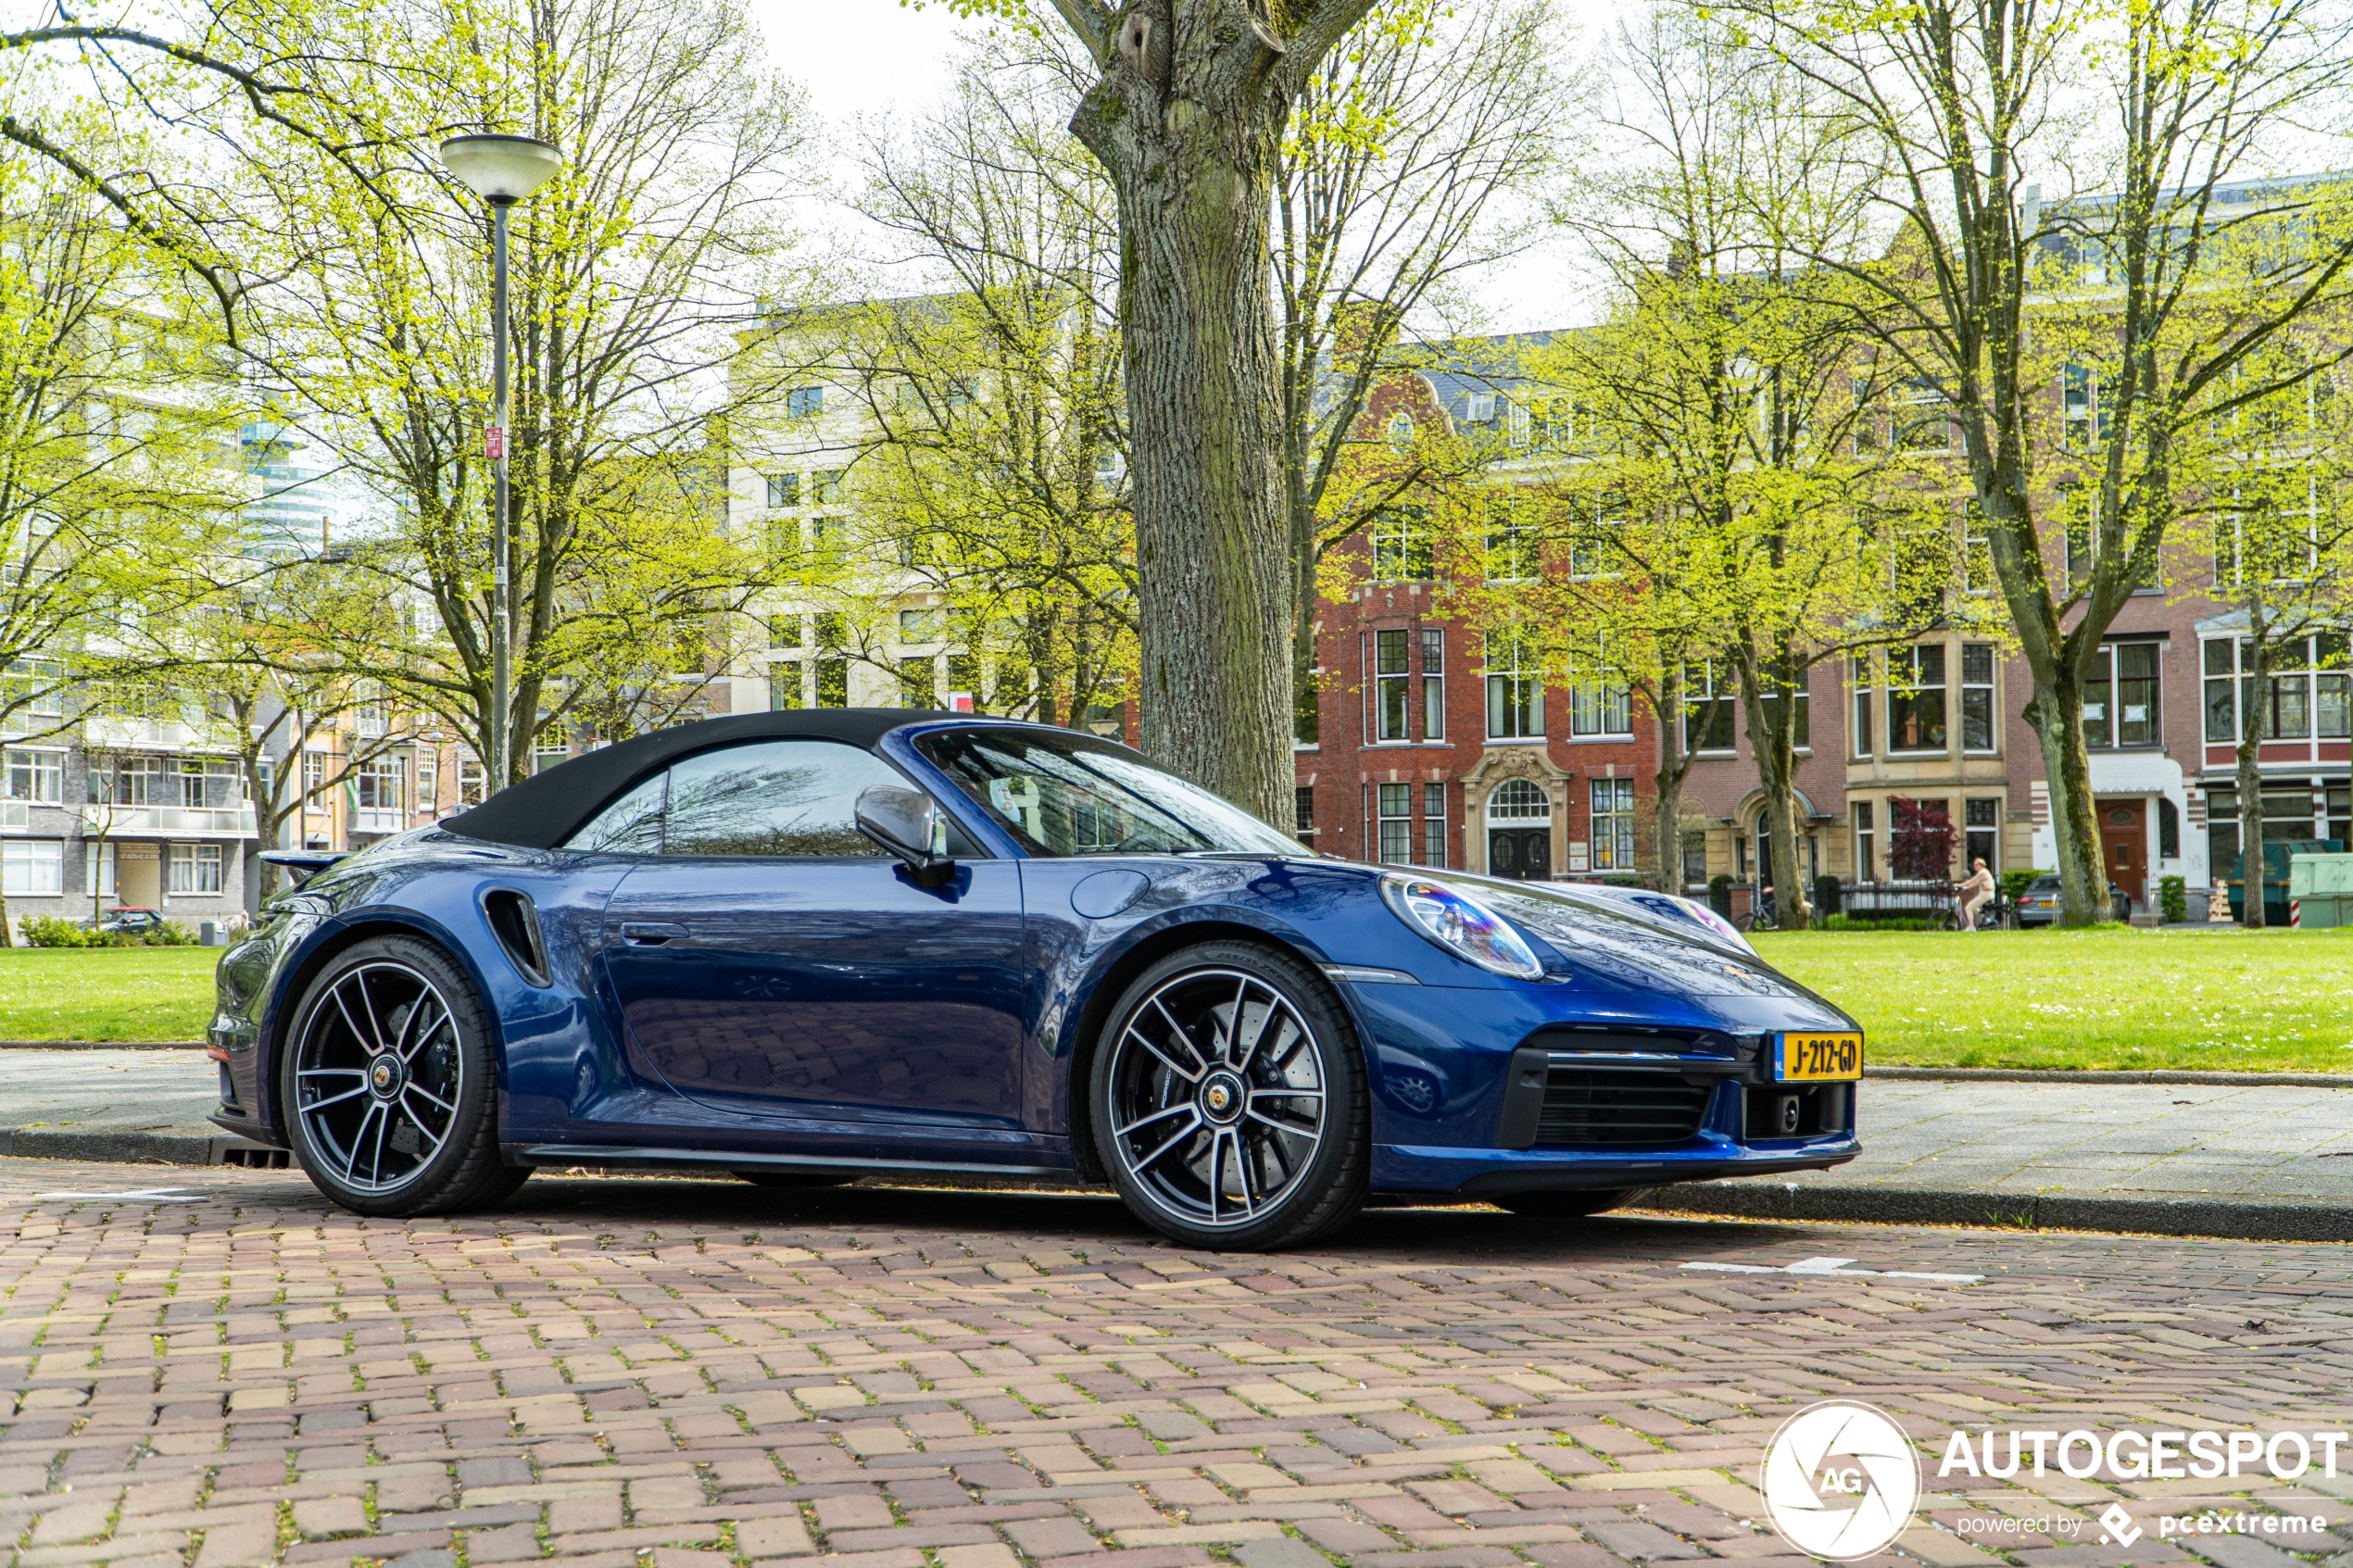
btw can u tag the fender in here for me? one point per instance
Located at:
(303, 959)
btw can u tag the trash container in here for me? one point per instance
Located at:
(2320, 891)
(2276, 856)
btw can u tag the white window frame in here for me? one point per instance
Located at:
(1392, 687)
(1514, 688)
(33, 868)
(46, 771)
(194, 869)
(1992, 688)
(1393, 816)
(1599, 707)
(1612, 825)
(1433, 683)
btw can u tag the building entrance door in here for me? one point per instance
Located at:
(1524, 853)
(2125, 845)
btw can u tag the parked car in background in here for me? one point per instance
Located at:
(2039, 904)
(131, 922)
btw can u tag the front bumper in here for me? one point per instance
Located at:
(1723, 1145)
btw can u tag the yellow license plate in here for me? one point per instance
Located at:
(1818, 1057)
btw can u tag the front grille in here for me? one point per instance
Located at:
(1589, 1106)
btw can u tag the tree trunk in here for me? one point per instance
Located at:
(1769, 741)
(2056, 712)
(2250, 770)
(1674, 766)
(1188, 121)
(7, 927)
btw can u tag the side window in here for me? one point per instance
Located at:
(797, 797)
(631, 825)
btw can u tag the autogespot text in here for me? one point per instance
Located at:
(2148, 1456)
(2142, 1456)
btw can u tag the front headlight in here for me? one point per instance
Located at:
(1461, 925)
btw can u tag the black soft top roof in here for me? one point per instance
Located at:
(547, 808)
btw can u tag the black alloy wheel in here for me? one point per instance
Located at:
(389, 1091)
(1228, 1100)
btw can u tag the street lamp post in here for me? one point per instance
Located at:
(502, 171)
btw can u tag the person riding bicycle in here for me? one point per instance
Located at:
(1974, 895)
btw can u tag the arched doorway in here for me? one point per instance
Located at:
(1519, 831)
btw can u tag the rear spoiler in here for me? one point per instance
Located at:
(307, 863)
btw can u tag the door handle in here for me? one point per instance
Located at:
(651, 932)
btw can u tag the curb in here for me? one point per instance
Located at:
(2072, 1076)
(186, 1146)
(101, 1045)
(2226, 1217)
(2223, 1218)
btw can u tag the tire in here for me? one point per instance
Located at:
(791, 1181)
(1565, 1205)
(390, 1087)
(1176, 1098)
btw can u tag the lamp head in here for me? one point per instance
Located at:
(500, 168)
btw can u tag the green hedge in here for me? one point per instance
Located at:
(1897, 922)
(51, 930)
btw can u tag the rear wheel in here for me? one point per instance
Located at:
(390, 1092)
(1565, 1205)
(1228, 1100)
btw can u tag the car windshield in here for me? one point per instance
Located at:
(1076, 795)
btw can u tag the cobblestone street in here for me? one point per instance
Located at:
(688, 1374)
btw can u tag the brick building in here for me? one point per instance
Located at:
(1439, 746)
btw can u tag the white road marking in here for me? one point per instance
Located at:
(1832, 1266)
(143, 1195)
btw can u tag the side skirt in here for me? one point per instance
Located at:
(609, 1154)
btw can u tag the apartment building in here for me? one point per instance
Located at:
(141, 806)
(1439, 742)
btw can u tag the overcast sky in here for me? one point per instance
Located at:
(862, 56)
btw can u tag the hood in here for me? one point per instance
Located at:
(1630, 944)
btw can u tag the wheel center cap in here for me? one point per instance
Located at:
(1222, 1098)
(385, 1075)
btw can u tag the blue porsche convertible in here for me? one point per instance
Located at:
(806, 946)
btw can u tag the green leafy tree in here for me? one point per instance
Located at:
(1722, 515)
(1188, 107)
(1415, 156)
(2154, 114)
(2272, 478)
(114, 417)
(989, 473)
(636, 271)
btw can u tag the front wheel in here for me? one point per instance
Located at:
(389, 1088)
(1228, 1101)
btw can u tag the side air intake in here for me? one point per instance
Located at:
(516, 920)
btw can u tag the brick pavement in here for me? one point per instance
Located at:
(672, 1373)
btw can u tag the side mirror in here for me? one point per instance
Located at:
(906, 823)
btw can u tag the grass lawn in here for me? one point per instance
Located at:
(2243, 1001)
(105, 993)
(2279, 1000)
